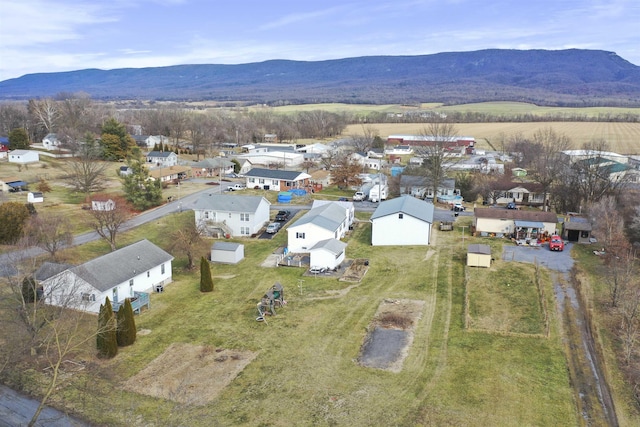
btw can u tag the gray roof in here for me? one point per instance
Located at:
(408, 205)
(276, 174)
(214, 163)
(478, 248)
(225, 246)
(423, 181)
(107, 271)
(328, 216)
(160, 153)
(50, 269)
(334, 246)
(228, 203)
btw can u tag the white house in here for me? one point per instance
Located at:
(402, 221)
(510, 222)
(35, 197)
(348, 207)
(103, 204)
(23, 156)
(329, 221)
(421, 187)
(276, 180)
(51, 142)
(227, 252)
(162, 158)
(150, 141)
(235, 215)
(327, 253)
(128, 272)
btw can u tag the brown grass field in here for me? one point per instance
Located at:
(623, 138)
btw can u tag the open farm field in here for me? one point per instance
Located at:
(623, 138)
(303, 365)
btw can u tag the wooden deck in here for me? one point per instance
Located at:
(139, 300)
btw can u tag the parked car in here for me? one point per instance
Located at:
(511, 205)
(556, 243)
(458, 207)
(343, 199)
(273, 228)
(282, 215)
(236, 187)
(359, 196)
(317, 270)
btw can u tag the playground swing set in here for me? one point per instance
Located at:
(272, 299)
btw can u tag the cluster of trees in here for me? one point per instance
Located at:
(115, 330)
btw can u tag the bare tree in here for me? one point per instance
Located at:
(438, 160)
(629, 312)
(187, 240)
(45, 112)
(596, 177)
(364, 141)
(50, 231)
(85, 172)
(108, 222)
(548, 159)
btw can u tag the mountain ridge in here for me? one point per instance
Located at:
(571, 77)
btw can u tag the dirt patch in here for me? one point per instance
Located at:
(356, 271)
(225, 276)
(391, 334)
(190, 374)
(429, 254)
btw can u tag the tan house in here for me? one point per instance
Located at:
(170, 174)
(498, 222)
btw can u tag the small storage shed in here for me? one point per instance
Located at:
(227, 252)
(35, 197)
(327, 253)
(479, 255)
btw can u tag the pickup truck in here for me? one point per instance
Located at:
(236, 187)
(282, 215)
(359, 196)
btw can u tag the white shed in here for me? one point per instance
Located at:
(479, 255)
(227, 252)
(327, 253)
(35, 197)
(23, 156)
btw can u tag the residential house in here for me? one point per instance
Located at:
(520, 193)
(497, 222)
(231, 215)
(150, 141)
(321, 177)
(267, 156)
(125, 170)
(129, 272)
(577, 229)
(270, 138)
(210, 167)
(23, 157)
(404, 220)
(375, 153)
(349, 208)
(227, 252)
(4, 151)
(171, 173)
(51, 142)
(466, 143)
(328, 253)
(276, 179)
(328, 221)
(401, 150)
(422, 187)
(162, 158)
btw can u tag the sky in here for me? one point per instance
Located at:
(43, 36)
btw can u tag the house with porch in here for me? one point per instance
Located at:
(171, 173)
(520, 193)
(231, 215)
(519, 224)
(162, 158)
(277, 180)
(130, 272)
(328, 221)
(216, 166)
(422, 187)
(404, 220)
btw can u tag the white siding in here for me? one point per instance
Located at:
(393, 230)
(325, 258)
(312, 235)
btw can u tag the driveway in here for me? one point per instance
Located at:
(557, 261)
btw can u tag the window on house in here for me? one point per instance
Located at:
(162, 269)
(584, 234)
(148, 273)
(252, 180)
(206, 214)
(88, 297)
(299, 235)
(400, 215)
(261, 181)
(244, 217)
(244, 231)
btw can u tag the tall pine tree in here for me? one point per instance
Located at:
(126, 324)
(206, 281)
(106, 340)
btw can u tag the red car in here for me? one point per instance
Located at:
(556, 243)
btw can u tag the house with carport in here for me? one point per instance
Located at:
(404, 220)
(129, 272)
(519, 224)
(231, 215)
(328, 221)
(277, 180)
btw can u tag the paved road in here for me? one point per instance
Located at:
(17, 410)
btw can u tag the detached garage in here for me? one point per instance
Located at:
(227, 252)
(479, 256)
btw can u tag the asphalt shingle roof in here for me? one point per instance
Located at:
(408, 205)
(497, 213)
(328, 216)
(276, 174)
(228, 203)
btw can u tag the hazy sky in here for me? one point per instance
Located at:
(38, 36)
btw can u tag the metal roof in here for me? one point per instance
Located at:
(408, 205)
